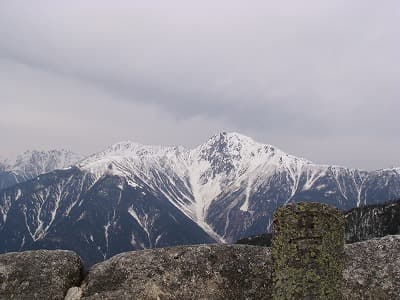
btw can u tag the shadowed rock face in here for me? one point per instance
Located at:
(307, 251)
(38, 274)
(195, 272)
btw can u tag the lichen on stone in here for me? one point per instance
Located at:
(308, 252)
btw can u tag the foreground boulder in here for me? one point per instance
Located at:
(373, 269)
(38, 274)
(192, 272)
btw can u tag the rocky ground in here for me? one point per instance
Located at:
(39, 274)
(372, 271)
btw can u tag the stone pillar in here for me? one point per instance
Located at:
(308, 252)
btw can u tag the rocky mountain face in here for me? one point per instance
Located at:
(31, 164)
(100, 218)
(131, 196)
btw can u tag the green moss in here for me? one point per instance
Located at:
(307, 252)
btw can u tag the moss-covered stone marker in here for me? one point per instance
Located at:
(308, 252)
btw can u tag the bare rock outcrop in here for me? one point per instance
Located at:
(373, 269)
(192, 272)
(38, 274)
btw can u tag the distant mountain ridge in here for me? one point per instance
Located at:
(33, 163)
(132, 196)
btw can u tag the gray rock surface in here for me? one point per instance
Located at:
(373, 269)
(193, 272)
(38, 274)
(74, 293)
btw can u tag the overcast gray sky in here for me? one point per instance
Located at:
(318, 79)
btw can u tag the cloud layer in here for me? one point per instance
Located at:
(319, 79)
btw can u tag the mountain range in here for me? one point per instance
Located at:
(132, 196)
(31, 164)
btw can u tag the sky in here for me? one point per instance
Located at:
(319, 79)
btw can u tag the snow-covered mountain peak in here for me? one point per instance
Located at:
(4, 164)
(222, 190)
(225, 163)
(33, 162)
(224, 153)
(127, 158)
(64, 156)
(230, 144)
(234, 151)
(130, 149)
(231, 138)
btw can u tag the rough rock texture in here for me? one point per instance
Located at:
(308, 251)
(74, 293)
(373, 269)
(193, 272)
(38, 274)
